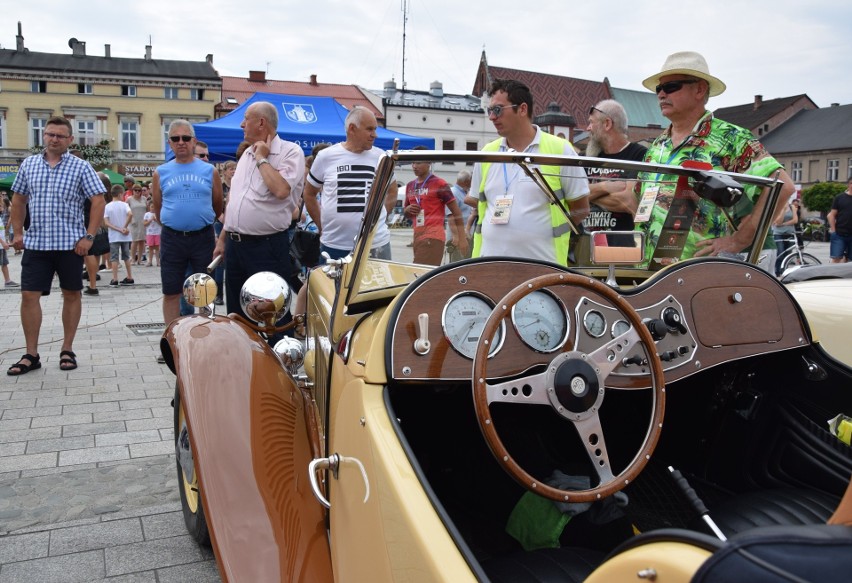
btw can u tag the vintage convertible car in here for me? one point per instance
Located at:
(509, 419)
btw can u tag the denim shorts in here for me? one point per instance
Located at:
(840, 245)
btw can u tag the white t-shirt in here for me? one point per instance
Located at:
(116, 213)
(152, 228)
(344, 180)
(528, 232)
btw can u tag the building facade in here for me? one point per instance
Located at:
(120, 109)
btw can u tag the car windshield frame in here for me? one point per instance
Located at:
(367, 281)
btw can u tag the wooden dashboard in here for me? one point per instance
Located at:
(702, 313)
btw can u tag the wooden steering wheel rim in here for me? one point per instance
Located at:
(480, 398)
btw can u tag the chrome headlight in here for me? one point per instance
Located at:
(265, 298)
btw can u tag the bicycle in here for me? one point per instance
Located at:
(793, 256)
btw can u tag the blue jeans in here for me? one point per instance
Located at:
(783, 241)
(841, 245)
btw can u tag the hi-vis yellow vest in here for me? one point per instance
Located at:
(548, 144)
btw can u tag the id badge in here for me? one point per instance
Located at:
(646, 205)
(421, 219)
(502, 209)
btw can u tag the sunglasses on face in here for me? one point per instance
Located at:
(497, 110)
(177, 139)
(203, 155)
(673, 86)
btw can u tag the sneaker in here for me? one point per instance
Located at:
(126, 281)
(103, 267)
(113, 283)
(11, 283)
(91, 291)
(219, 301)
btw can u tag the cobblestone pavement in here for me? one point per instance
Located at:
(88, 485)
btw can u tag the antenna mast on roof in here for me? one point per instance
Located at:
(404, 21)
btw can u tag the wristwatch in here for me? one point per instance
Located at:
(89, 237)
(261, 162)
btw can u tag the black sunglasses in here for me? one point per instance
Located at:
(203, 155)
(673, 86)
(177, 139)
(593, 109)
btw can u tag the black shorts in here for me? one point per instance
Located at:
(39, 267)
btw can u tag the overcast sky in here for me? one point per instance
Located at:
(775, 49)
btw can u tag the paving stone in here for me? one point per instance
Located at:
(163, 525)
(204, 572)
(55, 420)
(95, 536)
(143, 577)
(14, 448)
(18, 404)
(28, 434)
(123, 415)
(27, 462)
(93, 428)
(57, 470)
(31, 412)
(16, 424)
(138, 450)
(24, 547)
(153, 554)
(146, 403)
(119, 396)
(60, 444)
(96, 454)
(153, 423)
(127, 437)
(64, 400)
(39, 394)
(79, 567)
(91, 408)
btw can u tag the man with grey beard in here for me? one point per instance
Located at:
(612, 201)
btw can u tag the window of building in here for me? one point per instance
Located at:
(832, 173)
(128, 90)
(471, 147)
(196, 94)
(84, 88)
(2, 129)
(796, 171)
(129, 135)
(448, 145)
(38, 87)
(171, 93)
(37, 126)
(84, 133)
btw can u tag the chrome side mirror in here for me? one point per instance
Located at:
(199, 291)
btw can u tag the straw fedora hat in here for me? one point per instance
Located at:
(686, 63)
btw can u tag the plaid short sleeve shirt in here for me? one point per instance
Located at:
(55, 198)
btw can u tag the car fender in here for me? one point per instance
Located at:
(252, 440)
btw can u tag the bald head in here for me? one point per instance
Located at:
(361, 128)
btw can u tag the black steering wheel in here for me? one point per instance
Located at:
(573, 385)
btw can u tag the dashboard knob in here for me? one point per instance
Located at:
(657, 328)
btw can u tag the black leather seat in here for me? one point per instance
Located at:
(773, 507)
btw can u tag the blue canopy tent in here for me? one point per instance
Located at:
(304, 120)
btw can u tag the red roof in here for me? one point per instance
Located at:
(241, 88)
(574, 96)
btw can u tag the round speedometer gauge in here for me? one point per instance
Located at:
(540, 321)
(594, 323)
(463, 321)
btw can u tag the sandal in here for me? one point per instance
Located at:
(20, 368)
(67, 360)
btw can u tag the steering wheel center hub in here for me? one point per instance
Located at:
(574, 389)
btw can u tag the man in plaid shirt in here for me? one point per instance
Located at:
(53, 185)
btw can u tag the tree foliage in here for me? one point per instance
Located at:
(820, 196)
(99, 156)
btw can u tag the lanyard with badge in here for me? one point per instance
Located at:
(503, 204)
(421, 191)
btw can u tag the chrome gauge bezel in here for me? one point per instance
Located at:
(479, 321)
(612, 330)
(587, 326)
(526, 334)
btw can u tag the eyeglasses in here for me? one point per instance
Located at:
(137, 190)
(177, 139)
(593, 109)
(205, 155)
(56, 136)
(673, 86)
(497, 110)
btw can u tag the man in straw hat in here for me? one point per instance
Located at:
(683, 87)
